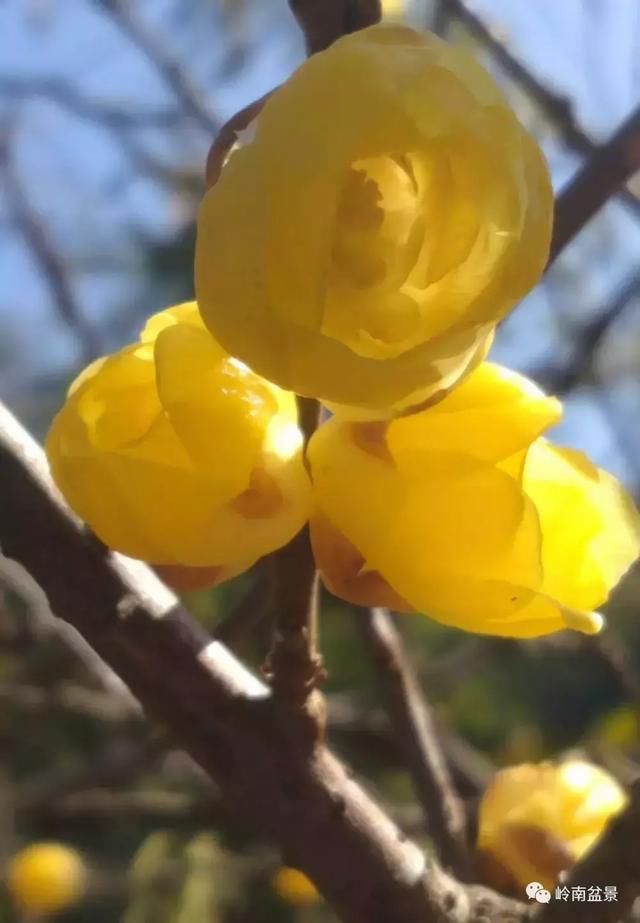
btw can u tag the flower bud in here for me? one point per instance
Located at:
(464, 512)
(537, 820)
(176, 453)
(388, 212)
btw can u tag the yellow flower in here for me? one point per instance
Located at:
(295, 888)
(463, 512)
(46, 877)
(176, 453)
(394, 8)
(388, 212)
(536, 820)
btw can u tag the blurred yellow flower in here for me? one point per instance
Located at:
(295, 888)
(178, 454)
(394, 8)
(46, 877)
(537, 820)
(388, 212)
(463, 512)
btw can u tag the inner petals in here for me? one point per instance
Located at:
(375, 215)
(379, 226)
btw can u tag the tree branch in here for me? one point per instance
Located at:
(228, 136)
(588, 340)
(303, 799)
(323, 23)
(174, 74)
(48, 259)
(66, 697)
(609, 168)
(412, 720)
(113, 114)
(557, 108)
(294, 665)
(117, 762)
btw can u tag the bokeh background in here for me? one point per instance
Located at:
(107, 110)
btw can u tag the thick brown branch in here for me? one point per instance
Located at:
(614, 861)
(411, 716)
(604, 173)
(223, 717)
(324, 22)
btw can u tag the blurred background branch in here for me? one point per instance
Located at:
(50, 262)
(558, 109)
(609, 167)
(412, 721)
(193, 100)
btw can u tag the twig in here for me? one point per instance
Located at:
(180, 178)
(415, 728)
(614, 861)
(113, 114)
(67, 697)
(557, 108)
(162, 807)
(603, 174)
(48, 259)
(117, 119)
(470, 769)
(322, 23)
(444, 672)
(589, 339)
(371, 730)
(114, 764)
(190, 96)
(307, 803)
(583, 370)
(228, 136)
(441, 17)
(294, 666)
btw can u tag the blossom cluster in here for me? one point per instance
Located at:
(385, 212)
